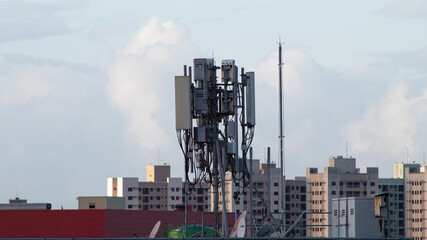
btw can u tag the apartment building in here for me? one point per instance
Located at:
(395, 187)
(159, 193)
(340, 179)
(238, 199)
(267, 197)
(295, 205)
(199, 199)
(415, 204)
(126, 187)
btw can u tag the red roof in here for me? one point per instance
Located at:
(93, 223)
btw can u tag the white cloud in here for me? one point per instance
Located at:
(24, 83)
(395, 122)
(27, 20)
(406, 9)
(141, 83)
(378, 106)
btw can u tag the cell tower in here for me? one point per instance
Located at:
(209, 115)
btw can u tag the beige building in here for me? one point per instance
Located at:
(158, 173)
(399, 169)
(295, 197)
(126, 187)
(415, 204)
(340, 179)
(159, 192)
(101, 202)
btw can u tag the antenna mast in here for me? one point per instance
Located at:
(282, 202)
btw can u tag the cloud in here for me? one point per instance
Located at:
(54, 118)
(405, 9)
(20, 20)
(377, 106)
(141, 82)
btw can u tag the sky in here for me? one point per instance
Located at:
(86, 86)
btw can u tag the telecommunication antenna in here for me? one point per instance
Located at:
(281, 136)
(424, 158)
(208, 116)
(346, 149)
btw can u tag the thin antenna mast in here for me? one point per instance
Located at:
(346, 149)
(282, 202)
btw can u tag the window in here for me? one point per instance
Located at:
(302, 189)
(92, 206)
(372, 184)
(333, 183)
(130, 198)
(145, 191)
(276, 193)
(333, 192)
(130, 189)
(129, 206)
(276, 184)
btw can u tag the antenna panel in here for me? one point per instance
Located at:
(182, 103)
(250, 98)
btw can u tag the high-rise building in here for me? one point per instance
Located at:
(295, 205)
(415, 204)
(267, 196)
(395, 187)
(261, 176)
(399, 169)
(159, 193)
(340, 179)
(126, 187)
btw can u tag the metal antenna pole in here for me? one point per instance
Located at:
(282, 202)
(224, 205)
(251, 190)
(268, 182)
(186, 183)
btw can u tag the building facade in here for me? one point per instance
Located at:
(159, 193)
(415, 204)
(340, 179)
(395, 187)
